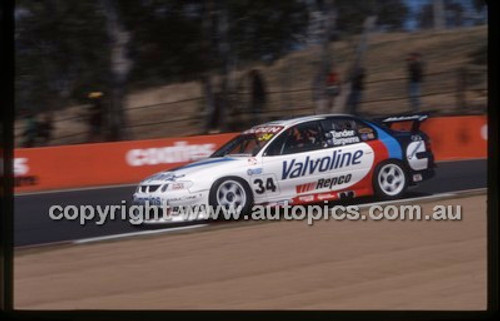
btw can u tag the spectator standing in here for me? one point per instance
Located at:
(31, 130)
(415, 78)
(357, 87)
(259, 93)
(332, 88)
(96, 116)
(45, 128)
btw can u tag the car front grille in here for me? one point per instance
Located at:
(153, 188)
(149, 188)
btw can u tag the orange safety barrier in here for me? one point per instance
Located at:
(63, 167)
(455, 138)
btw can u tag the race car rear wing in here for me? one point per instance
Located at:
(416, 119)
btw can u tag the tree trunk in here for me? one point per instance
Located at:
(207, 49)
(360, 50)
(325, 57)
(120, 66)
(224, 50)
(438, 14)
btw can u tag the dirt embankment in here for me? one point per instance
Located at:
(284, 265)
(174, 110)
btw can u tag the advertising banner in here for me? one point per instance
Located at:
(86, 165)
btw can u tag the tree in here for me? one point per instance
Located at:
(118, 39)
(455, 13)
(60, 52)
(391, 14)
(65, 49)
(325, 59)
(425, 17)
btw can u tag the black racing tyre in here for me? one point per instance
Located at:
(390, 180)
(230, 192)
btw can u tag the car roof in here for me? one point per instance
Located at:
(302, 119)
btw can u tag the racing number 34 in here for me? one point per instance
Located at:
(263, 185)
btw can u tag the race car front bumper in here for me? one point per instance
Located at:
(172, 206)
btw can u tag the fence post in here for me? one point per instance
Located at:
(461, 89)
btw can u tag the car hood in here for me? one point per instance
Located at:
(200, 169)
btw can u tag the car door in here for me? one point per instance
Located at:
(353, 157)
(294, 159)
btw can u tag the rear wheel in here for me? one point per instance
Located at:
(390, 180)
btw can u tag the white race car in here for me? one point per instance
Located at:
(296, 161)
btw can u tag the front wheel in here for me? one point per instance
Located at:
(231, 193)
(390, 180)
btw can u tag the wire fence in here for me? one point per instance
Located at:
(459, 88)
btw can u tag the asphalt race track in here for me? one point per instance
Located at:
(33, 226)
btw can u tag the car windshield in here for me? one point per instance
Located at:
(249, 143)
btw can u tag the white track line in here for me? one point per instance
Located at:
(123, 235)
(405, 200)
(175, 229)
(167, 230)
(427, 197)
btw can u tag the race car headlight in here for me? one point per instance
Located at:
(175, 186)
(180, 185)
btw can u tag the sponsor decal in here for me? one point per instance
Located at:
(264, 130)
(346, 136)
(406, 118)
(416, 138)
(308, 198)
(254, 171)
(265, 137)
(326, 196)
(21, 171)
(184, 198)
(305, 187)
(20, 166)
(330, 182)
(179, 153)
(322, 183)
(484, 132)
(284, 202)
(252, 161)
(336, 160)
(151, 200)
(411, 154)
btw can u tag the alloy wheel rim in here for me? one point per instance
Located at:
(391, 179)
(231, 194)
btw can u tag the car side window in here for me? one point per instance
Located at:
(365, 131)
(346, 131)
(300, 138)
(276, 146)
